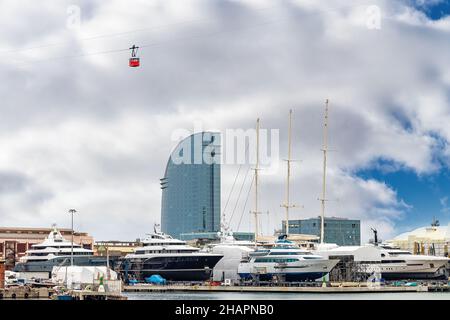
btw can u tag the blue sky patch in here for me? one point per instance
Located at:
(434, 10)
(428, 195)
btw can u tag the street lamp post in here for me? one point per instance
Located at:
(72, 211)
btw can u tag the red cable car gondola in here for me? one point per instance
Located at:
(134, 61)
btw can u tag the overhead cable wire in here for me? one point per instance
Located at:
(231, 191)
(246, 201)
(155, 44)
(242, 185)
(151, 44)
(123, 33)
(239, 194)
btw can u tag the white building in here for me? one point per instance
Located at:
(432, 240)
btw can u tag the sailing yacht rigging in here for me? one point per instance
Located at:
(285, 261)
(287, 204)
(390, 263)
(324, 175)
(256, 169)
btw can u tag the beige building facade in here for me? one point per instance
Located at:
(432, 240)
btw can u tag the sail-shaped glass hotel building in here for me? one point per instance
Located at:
(191, 186)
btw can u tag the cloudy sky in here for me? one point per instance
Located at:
(79, 128)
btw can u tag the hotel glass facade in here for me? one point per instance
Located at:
(343, 232)
(191, 186)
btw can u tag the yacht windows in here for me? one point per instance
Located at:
(164, 251)
(281, 253)
(277, 260)
(166, 243)
(44, 254)
(278, 247)
(394, 253)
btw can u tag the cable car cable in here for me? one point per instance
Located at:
(155, 44)
(118, 34)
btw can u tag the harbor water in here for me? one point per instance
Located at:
(287, 296)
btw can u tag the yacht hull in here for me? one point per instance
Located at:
(414, 276)
(173, 268)
(290, 277)
(297, 271)
(413, 270)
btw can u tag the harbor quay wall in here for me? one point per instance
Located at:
(2, 274)
(308, 289)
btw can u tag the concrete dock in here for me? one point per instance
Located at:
(94, 295)
(25, 293)
(296, 289)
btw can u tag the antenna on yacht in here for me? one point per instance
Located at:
(324, 149)
(53, 229)
(375, 236)
(72, 211)
(256, 212)
(435, 223)
(287, 205)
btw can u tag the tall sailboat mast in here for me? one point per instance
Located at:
(256, 212)
(324, 149)
(287, 204)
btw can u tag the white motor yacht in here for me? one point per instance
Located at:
(391, 263)
(286, 261)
